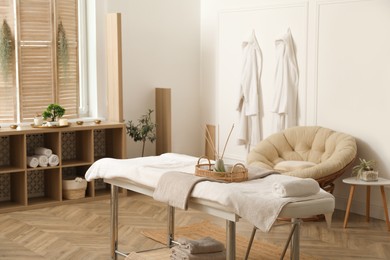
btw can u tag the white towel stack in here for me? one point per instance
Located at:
(43, 151)
(42, 160)
(32, 161)
(42, 157)
(53, 160)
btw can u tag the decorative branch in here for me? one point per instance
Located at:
(6, 49)
(209, 140)
(62, 48)
(227, 140)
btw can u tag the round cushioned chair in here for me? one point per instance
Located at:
(308, 152)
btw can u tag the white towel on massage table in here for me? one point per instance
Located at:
(252, 200)
(296, 188)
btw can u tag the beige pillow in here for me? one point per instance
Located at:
(287, 166)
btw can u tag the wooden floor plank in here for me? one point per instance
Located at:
(81, 231)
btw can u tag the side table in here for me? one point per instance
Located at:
(381, 182)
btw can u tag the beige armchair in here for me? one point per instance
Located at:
(308, 152)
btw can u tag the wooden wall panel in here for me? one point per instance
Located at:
(163, 121)
(114, 68)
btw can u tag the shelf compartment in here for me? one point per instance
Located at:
(70, 173)
(12, 147)
(76, 147)
(12, 190)
(109, 143)
(43, 186)
(48, 140)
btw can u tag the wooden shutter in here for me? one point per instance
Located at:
(7, 85)
(68, 83)
(36, 63)
(41, 80)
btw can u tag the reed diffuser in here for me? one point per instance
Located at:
(219, 163)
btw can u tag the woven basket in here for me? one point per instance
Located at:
(73, 194)
(72, 189)
(238, 172)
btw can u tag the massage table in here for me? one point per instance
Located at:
(294, 210)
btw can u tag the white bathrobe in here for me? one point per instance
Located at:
(248, 101)
(286, 84)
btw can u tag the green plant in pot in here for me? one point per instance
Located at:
(365, 170)
(143, 131)
(53, 112)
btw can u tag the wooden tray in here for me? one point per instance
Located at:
(238, 172)
(53, 126)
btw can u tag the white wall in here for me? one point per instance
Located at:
(160, 47)
(343, 52)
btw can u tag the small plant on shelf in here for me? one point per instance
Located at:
(365, 170)
(53, 112)
(143, 131)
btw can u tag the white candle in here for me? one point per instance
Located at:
(63, 121)
(38, 121)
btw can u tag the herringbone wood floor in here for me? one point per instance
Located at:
(80, 231)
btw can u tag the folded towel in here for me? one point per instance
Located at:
(43, 151)
(42, 160)
(180, 254)
(53, 160)
(32, 161)
(200, 246)
(175, 188)
(296, 188)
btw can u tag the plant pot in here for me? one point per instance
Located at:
(369, 176)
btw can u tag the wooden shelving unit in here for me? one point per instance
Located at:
(77, 147)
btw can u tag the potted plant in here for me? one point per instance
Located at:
(53, 112)
(365, 170)
(143, 131)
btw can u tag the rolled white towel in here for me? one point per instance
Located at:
(53, 160)
(32, 161)
(43, 151)
(42, 160)
(296, 188)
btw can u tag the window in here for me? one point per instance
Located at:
(38, 76)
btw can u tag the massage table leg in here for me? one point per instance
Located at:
(250, 243)
(114, 221)
(171, 225)
(294, 254)
(293, 240)
(230, 240)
